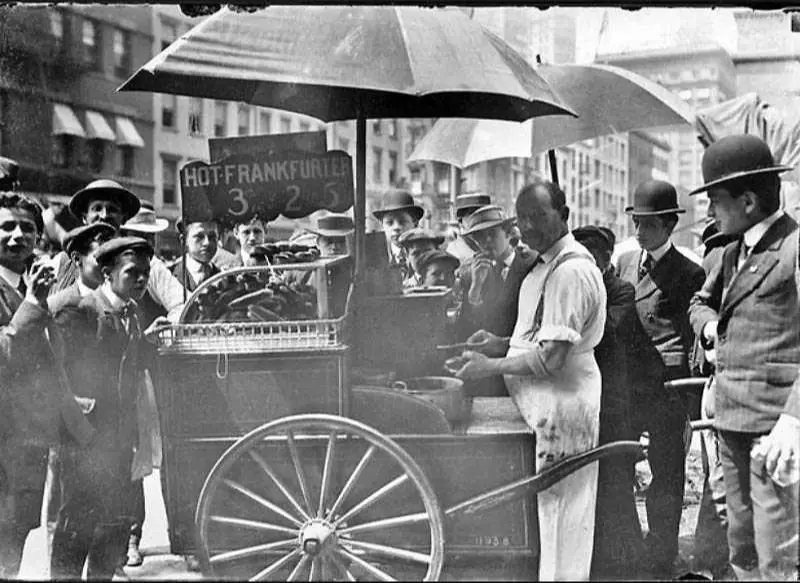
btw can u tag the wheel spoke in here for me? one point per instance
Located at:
(386, 523)
(337, 562)
(267, 470)
(387, 551)
(251, 551)
(298, 468)
(274, 567)
(254, 524)
(265, 503)
(351, 481)
(326, 473)
(301, 564)
(315, 573)
(371, 569)
(372, 498)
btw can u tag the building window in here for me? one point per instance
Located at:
(393, 174)
(122, 53)
(393, 128)
(195, 116)
(63, 152)
(91, 44)
(169, 179)
(94, 154)
(244, 120)
(220, 119)
(305, 126)
(168, 105)
(57, 27)
(265, 122)
(169, 32)
(685, 94)
(125, 160)
(376, 127)
(377, 165)
(344, 144)
(703, 93)
(286, 124)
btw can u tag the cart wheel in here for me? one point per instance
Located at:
(318, 497)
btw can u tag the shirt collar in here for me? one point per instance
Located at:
(658, 252)
(556, 248)
(193, 265)
(754, 234)
(116, 302)
(84, 289)
(510, 259)
(12, 277)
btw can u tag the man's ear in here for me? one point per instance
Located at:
(565, 214)
(751, 202)
(106, 271)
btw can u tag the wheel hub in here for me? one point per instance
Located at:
(316, 536)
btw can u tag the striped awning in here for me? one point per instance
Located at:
(127, 135)
(65, 122)
(97, 127)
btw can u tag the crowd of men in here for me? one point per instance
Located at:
(583, 344)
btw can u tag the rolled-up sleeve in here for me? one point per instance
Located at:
(165, 289)
(570, 300)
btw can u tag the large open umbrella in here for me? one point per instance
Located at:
(345, 62)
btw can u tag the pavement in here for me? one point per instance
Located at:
(159, 564)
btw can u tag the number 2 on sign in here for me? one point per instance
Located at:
(238, 196)
(293, 206)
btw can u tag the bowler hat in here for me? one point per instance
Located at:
(78, 239)
(484, 218)
(146, 221)
(466, 203)
(110, 249)
(589, 231)
(654, 197)
(399, 200)
(735, 157)
(419, 234)
(333, 226)
(104, 188)
(436, 255)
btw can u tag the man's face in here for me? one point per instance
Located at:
(494, 241)
(729, 212)
(105, 210)
(439, 273)
(329, 246)
(18, 234)
(249, 235)
(651, 231)
(415, 249)
(396, 223)
(90, 273)
(539, 223)
(128, 277)
(201, 241)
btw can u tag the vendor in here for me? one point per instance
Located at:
(414, 243)
(200, 240)
(437, 268)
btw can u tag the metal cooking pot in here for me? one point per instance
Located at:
(446, 393)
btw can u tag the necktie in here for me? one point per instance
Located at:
(131, 320)
(22, 287)
(647, 266)
(205, 272)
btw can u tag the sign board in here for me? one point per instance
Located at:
(267, 145)
(291, 183)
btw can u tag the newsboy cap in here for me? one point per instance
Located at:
(79, 239)
(735, 157)
(592, 231)
(419, 234)
(109, 250)
(437, 255)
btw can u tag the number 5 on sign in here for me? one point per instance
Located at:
(238, 198)
(332, 194)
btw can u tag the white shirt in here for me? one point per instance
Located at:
(195, 269)
(754, 234)
(165, 289)
(656, 253)
(84, 289)
(12, 277)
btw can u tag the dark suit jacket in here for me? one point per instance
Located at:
(186, 278)
(662, 302)
(758, 334)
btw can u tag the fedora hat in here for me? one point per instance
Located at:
(484, 218)
(419, 234)
(654, 197)
(104, 189)
(146, 221)
(466, 203)
(333, 226)
(399, 200)
(735, 157)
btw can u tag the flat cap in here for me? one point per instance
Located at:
(109, 250)
(78, 239)
(588, 231)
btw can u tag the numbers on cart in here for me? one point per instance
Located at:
(240, 199)
(332, 194)
(293, 205)
(493, 541)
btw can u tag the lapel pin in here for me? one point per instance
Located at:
(753, 268)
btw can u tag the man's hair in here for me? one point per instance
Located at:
(84, 244)
(253, 219)
(558, 200)
(185, 227)
(766, 187)
(14, 200)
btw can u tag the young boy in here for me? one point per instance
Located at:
(99, 343)
(200, 240)
(414, 243)
(437, 268)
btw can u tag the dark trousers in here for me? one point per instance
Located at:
(710, 535)
(138, 509)
(762, 516)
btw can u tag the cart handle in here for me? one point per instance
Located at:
(542, 481)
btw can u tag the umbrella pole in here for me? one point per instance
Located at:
(551, 154)
(455, 189)
(360, 203)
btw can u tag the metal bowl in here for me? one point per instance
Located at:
(446, 393)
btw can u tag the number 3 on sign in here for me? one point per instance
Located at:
(238, 197)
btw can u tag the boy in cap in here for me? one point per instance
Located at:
(664, 280)
(99, 343)
(747, 313)
(437, 268)
(414, 243)
(200, 241)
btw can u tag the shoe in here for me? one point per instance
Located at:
(193, 564)
(134, 556)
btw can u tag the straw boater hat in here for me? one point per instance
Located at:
(104, 188)
(654, 197)
(399, 200)
(76, 238)
(333, 226)
(419, 234)
(466, 203)
(735, 157)
(484, 218)
(437, 255)
(146, 221)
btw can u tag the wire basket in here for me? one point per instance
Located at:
(250, 337)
